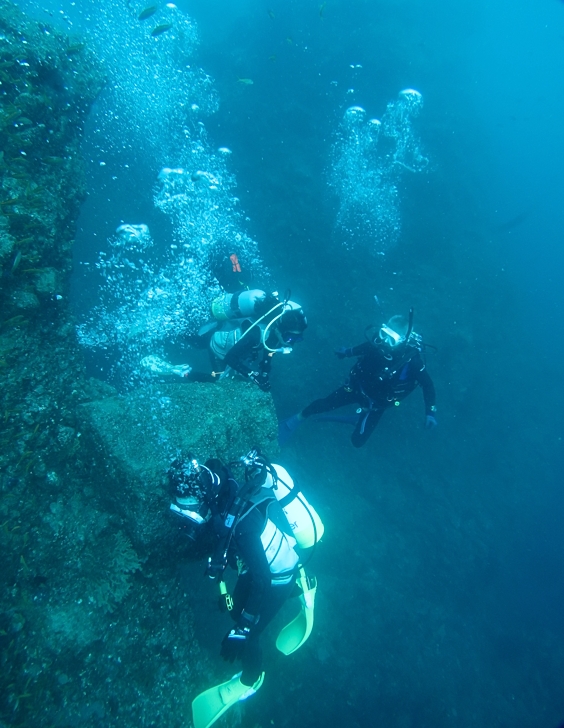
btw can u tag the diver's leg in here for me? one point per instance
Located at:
(365, 426)
(339, 398)
(241, 594)
(252, 655)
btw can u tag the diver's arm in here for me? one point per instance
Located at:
(251, 551)
(360, 350)
(422, 376)
(237, 356)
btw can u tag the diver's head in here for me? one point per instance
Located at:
(219, 487)
(199, 490)
(256, 468)
(292, 323)
(393, 334)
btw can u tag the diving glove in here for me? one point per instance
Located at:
(159, 366)
(431, 419)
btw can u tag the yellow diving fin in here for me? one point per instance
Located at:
(210, 705)
(293, 635)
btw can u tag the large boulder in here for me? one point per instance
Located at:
(141, 433)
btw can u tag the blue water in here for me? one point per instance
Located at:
(442, 573)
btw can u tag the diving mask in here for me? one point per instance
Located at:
(390, 337)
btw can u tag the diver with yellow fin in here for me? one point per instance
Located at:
(261, 527)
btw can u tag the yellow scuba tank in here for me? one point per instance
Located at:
(307, 527)
(221, 307)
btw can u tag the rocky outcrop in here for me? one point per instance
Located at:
(137, 436)
(93, 628)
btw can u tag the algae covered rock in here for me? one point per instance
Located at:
(24, 301)
(82, 611)
(141, 433)
(47, 281)
(48, 82)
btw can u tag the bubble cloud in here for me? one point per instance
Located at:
(369, 157)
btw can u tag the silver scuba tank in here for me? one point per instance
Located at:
(307, 527)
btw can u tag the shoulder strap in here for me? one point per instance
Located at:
(278, 517)
(255, 501)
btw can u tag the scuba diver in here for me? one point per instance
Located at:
(247, 329)
(261, 527)
(390, 365)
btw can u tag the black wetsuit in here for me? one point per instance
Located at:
(376, 382)
(248, 351)
(256, 590)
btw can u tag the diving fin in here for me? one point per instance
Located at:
(294, 634)
(210, 705)
(286, 429)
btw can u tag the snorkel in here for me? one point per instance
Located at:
(409, 326)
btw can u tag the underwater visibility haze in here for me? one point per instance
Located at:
(364, 160)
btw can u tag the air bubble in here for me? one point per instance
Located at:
(153, 292)
(369, 158)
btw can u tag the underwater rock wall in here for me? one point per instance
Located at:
(47, 84)
(94, 629)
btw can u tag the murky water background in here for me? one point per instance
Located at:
(370, 157)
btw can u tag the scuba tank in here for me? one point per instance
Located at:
(278, 542)
(236, 305)
(307, 527)
(221, 307)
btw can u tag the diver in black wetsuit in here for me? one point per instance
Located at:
(250, 524)
(248, 328)
(252, 327)
(388, 369)
(258, 538)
